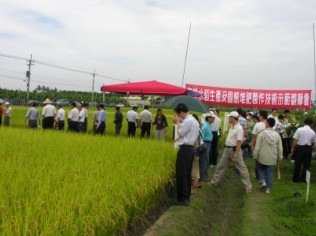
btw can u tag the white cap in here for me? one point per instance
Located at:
(7, 103)
(234, 114)
(210, 114)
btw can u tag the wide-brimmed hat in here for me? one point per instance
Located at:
(7, 103)
(210, 114)
(47, 101)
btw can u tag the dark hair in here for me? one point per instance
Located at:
(239, 110)
(196, 117)
(181, 107)
(308, 121)
(101, 106)
(264, 114)
(98, 106)
(286, 111)
(117, 108)
(274, 109)
(271, 121)
(134, 108)
(146, 107)
(217, 111)
(255, 117)
(73, 104)
(243, 114)
(280, 117)
(34, 104)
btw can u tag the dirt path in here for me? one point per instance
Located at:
(213, 211)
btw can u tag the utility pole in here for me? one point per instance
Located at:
(314, 60)
(28, 75)
(186, 55)
(93, 77)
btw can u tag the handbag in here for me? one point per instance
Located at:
(202, 146)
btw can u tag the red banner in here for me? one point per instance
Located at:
(253, 97)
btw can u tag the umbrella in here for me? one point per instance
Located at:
(192, 103)
(151, 87)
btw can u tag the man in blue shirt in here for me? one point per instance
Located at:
(100, 127)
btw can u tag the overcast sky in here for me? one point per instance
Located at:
(240, 44)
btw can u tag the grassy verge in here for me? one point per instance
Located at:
(227, 210)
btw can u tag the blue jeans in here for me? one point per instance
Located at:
(204, 163)
(265, 174)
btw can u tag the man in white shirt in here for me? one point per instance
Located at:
(232, 152)
(274, 115)
(216, 125)
(188, 131)
(60, 118)
(145, 119)
(73, 118)
(132, 120)
(48, 113)
(7, 114)
(81, 119)
(85, 125)
(303, 141)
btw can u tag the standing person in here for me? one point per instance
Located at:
(1, 112)
(260, 126)
(303, 142)
(48, 113)
(60, 118)
(161, 125)
(132, 120)
(232, 152)
(118, 120)
(145, 122)
(216, 125)
(207, 136)
(267, 152)
(7, 114)
(95, 118)
(100, 128)
(73, 117)
(81, 119)
(188, 131)
(274, 115)
(195, 172)
(86, 115)
(33, 117)
(287, 134)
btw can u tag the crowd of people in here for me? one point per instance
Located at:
(268, 139)
(77, 119)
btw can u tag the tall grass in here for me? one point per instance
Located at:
(54, 183)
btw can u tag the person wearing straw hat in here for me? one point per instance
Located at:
(7, 115)
(48, 113)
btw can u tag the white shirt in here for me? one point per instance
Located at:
(276, 120)
(145, 116)
(81, 116)
(8, 112)
(49, 111)
(131, 116)
(74, 114)
(305, 136)
(216, 124)
(236, 133)
(61, 114)
(258, 127)
(85, 112)
(189, 131)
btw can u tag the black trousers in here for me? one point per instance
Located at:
(286, 144)
(131, 130)
(60, 125)
(302, 156)
(214, 149)
(101, 128)
(48, 122)
(183, 172)
(146, 126)
(0, 120)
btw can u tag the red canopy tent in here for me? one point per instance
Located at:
(151, 87)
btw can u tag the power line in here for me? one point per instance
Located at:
(13, 57)
(14, 71)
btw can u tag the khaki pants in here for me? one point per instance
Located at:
(240, 165)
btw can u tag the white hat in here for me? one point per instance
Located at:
(234, 114)
(210, 114)
(47, 101)
(7, 103)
